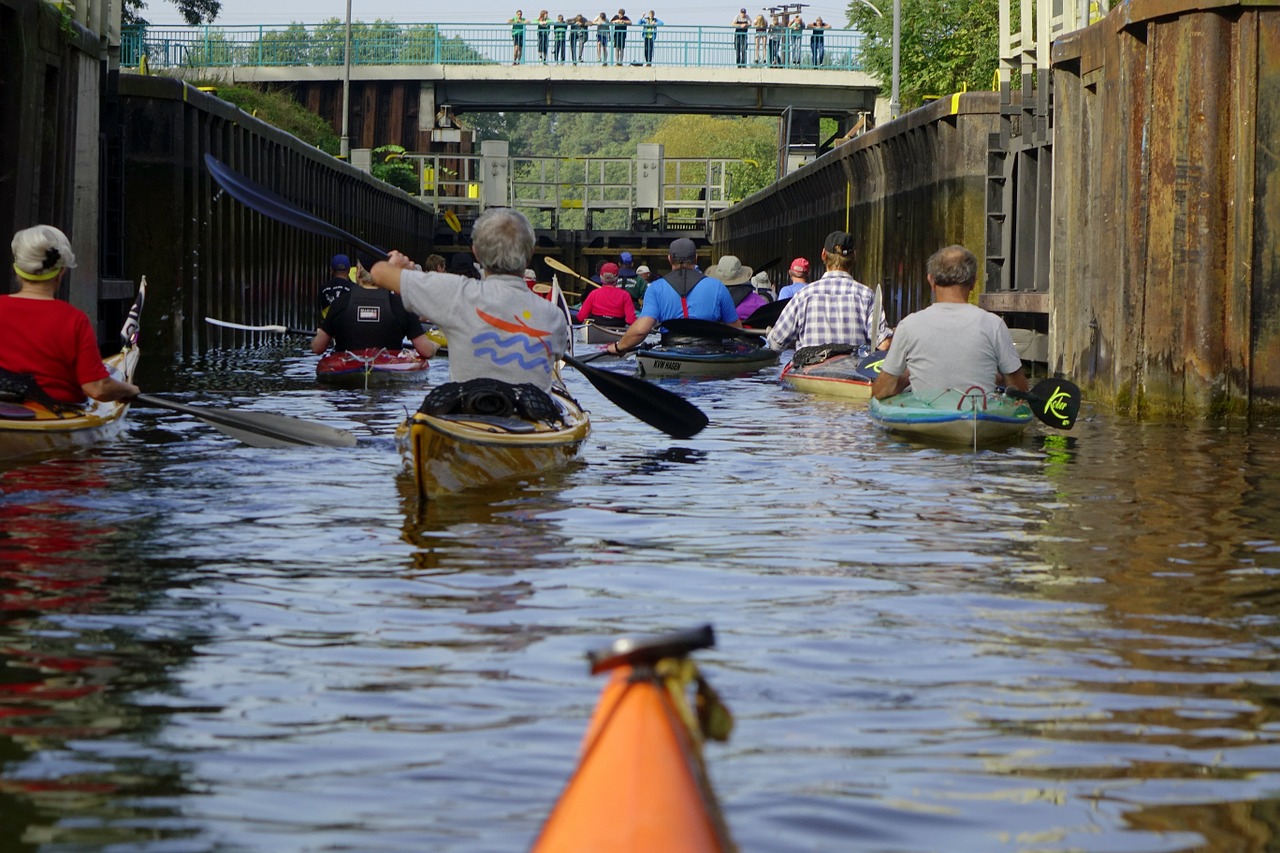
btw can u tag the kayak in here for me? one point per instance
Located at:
(591, 332)
(449, 453)
(371, 367)
(703, 358)
(833, 371)
(641, 784)
(27, 427)
(957, 417)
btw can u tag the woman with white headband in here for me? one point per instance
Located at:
(46, 337)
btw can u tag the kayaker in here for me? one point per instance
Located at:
(798, 273)
(608, 304)
(638, 285)
(683, 292)
(952, 343)
(496, 328)
(835, 309)
(46, 337)
(737, 278)
(367, 317)
(339, 283)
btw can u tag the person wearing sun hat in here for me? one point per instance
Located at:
(683, 292)
(799, 274)
(45, 337)
(835, 309)
(737, 278)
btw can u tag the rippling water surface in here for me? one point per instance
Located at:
(1067, 645)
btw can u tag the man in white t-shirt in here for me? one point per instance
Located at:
(950, 344)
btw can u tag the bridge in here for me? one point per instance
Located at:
(472, 67)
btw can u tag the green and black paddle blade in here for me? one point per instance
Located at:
(709, 329)
(657, 407)
(1055, 402)
(259, 429)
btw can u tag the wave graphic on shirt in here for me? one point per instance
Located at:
(520, 342)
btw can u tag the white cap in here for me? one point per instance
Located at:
(642, 268)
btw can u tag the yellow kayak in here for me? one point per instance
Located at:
(641, 784)
(28, 427)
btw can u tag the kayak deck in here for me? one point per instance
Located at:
(953, 416)
(729, 358)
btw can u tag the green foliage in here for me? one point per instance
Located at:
(753, 140)
(193, 11)
(947, 46)
(388, 166)
(284, 112)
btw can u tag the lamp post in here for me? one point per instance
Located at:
(344, 146)
(895, 105)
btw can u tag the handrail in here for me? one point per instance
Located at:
(389, 43)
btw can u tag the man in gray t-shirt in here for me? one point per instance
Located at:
(496, 327)
(950, 344)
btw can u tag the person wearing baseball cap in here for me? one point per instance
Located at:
(608, 304)
(799, 273)
(626, 269)
(683, 292)
(638, 285)
(339, 283)
(835, 309)
(952, 343)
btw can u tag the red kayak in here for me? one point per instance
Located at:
(368, 367)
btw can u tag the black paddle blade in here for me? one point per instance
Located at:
(657, 407)
(1055, 402)
(259, 429)
(709, 329)
(257, 197)
(767, 314)
(870, 364)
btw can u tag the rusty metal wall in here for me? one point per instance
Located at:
(903, 190)
(1166, 277)
(205, 254)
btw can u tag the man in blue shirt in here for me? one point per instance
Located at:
(683, 292)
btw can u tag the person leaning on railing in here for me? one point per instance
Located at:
(517, 34)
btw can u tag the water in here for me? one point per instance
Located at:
(1067, 645)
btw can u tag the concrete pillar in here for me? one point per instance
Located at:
(495, 190)
(649, 175)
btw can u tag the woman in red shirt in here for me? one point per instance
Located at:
(608, 305)
(46, 337)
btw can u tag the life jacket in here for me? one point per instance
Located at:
(683, 281)
(368, 321)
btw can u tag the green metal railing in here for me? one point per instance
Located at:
(389, 43)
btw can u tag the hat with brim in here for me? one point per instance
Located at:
(731, 271)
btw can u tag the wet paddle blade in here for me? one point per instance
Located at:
(259, 429)
(264, 201)
(767, 314)
(1056, 402)
(284, 330)
(657, 407)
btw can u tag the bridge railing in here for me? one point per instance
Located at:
(582, 192)
(389, 43)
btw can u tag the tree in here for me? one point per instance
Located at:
(947, 46)
(193, 11)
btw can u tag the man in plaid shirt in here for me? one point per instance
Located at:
(835, 309)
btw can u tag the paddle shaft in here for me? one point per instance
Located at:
(561, 267)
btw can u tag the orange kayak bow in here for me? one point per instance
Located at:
(641, 784)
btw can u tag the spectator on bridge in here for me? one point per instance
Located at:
(950, 344)
(339, 283)
(799, 275)
(496, 328)
(835, 309)
(683, 292)
(577, 38)
(517, 34)
(795, 31)
(561, 29)
(649, 24)
(544, 34)
(608, 304)
(776, 33)
(601, 22)
(817, 41)
(45, 337)
(638, 285)
(368, 318)
(741, 28)
(762, 30)
(620, 23)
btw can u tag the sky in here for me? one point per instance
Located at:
(243, 12)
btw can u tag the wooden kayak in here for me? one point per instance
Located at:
(594, 333)
(641, 784)
(704, 358)
(971, 417)
(831, 371)
(365, 368)
(454, 452)
(28, 427)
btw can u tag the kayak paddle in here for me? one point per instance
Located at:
(564, 268)
(767, 314)
(284, 330)
(709, 329)
(1056, 402)
(656, 406)
(259, 429)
